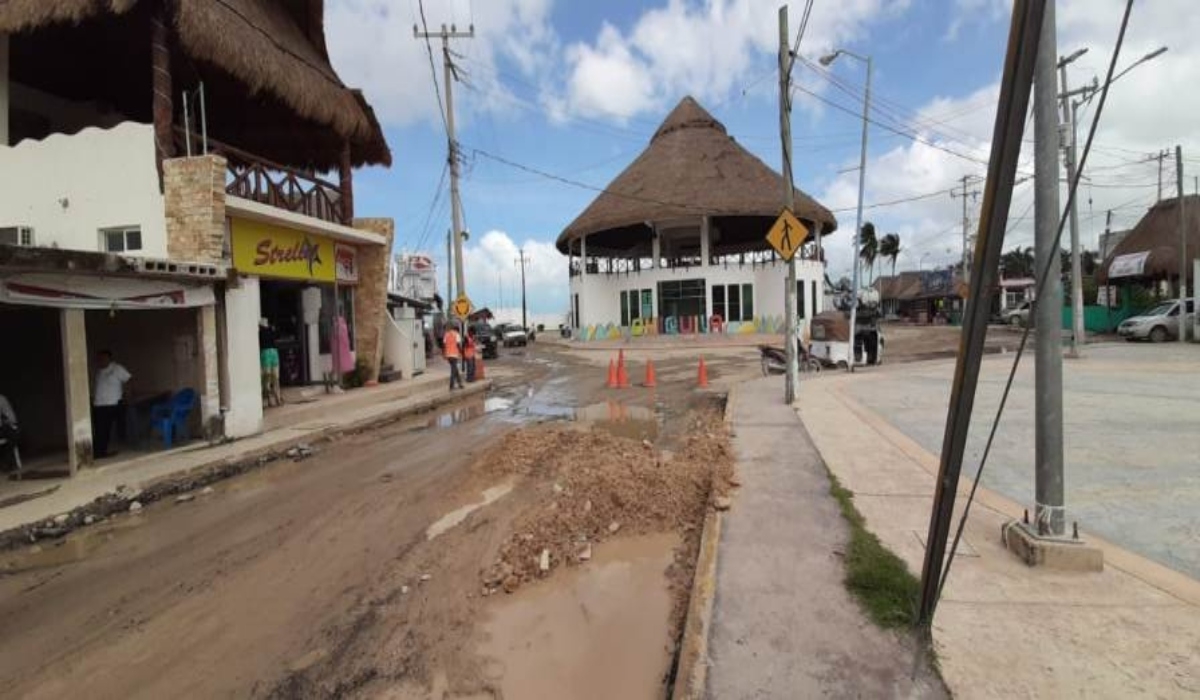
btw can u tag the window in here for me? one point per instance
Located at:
(816, 309)
(682, 298)
(636, 304)
(733, 302)
(801, 307)
(121, 240)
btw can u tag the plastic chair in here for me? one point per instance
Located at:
(170, 418)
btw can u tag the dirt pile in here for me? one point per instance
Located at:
(592, 486)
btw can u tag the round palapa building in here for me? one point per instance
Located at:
(677, 242)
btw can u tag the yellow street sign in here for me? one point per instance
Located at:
(787, 235)
(461, 306)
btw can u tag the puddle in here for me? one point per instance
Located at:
(616, 418)
(467, 412)
(458, 515)
(75, 547)
(594, 631)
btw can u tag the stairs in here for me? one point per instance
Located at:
(388, 373)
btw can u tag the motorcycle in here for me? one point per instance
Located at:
(774, 360)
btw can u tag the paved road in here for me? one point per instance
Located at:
(1132, 434)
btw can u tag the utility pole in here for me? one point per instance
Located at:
(523, 260)
(966, 221)
(449, 268)
(455, 200)
(1108, 300)
(1160, 156)
(1048, 440)
(785, 134)
(1069, 108)
(1183, 295)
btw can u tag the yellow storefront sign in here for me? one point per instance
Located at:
(267, 250)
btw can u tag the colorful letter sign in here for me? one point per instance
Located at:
(267, 250)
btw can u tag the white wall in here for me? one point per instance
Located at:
(600, 301)
(244, 412)
(70, 187)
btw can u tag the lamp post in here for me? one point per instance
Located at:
(862, 181)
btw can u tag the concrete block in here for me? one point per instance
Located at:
(1061, 554)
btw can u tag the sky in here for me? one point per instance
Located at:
(554, 90)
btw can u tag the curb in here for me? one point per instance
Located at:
(214, 471)
(691, 676)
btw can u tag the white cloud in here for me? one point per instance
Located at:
(494, 279)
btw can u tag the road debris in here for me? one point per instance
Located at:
(185, 497)
(135, 506)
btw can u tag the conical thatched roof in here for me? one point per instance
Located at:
(274, 50)
(1158, 234)
(691, 168)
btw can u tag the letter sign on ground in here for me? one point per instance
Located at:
(461, 307)
(787, 235)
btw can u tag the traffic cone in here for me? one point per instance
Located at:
(612, 375)
(622, 376)
(703, 379)
(650, 379)
(479, 367)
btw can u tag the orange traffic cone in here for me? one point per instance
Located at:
(650, 379)
(612, 375)
(622, 376)
(703, 379)
(479, 368)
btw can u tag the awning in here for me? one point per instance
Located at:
(1131, 265)
(101, 292)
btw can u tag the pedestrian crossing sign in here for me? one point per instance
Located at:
(461, 306)
(787, 235)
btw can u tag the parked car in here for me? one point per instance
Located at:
(1158, 324)
(1019, 316)
(485, 340)
(511, 334)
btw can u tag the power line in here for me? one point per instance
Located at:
(433, 68)
(437, 196)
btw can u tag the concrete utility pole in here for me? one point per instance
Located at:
(449, 267)
(785, 134)
(1049, 500)
(1069, 108)
(523, 260)
(455, 201)
(1161, 155)
(966, 222)
(1183, 295)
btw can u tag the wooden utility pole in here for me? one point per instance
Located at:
(965, 194)
(446, 35)
(523, 260)
(785, 134)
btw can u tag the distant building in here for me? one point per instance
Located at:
(414, 275)
(676, 243)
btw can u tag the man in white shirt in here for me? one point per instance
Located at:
(107, 396)
(9, 434)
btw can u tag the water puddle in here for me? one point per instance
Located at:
(458, 515)
(467, 412)
(75, 547)
(616, 418)
(594, 631)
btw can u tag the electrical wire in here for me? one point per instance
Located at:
(1043, 275)
(437, 196)
(437, 90)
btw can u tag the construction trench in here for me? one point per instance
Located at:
(539, 542)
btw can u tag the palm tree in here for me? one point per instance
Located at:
(868, 246)
(889, 248)
(1018, 262)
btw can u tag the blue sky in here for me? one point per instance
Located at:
(577, 88)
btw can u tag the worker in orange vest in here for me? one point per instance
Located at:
(469, 349)
(452, 349)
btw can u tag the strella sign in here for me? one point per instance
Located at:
(273, 251)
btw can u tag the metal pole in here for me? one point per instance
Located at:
(1182, 247)
(1049, 505)
(785, 133)
(1077, 328)
(858, 219)
(521, 260)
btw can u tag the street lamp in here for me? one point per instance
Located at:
(862, 181)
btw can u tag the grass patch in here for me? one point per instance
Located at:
(879, 579)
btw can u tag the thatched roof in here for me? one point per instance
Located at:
(273, 51)
(1157, 233)
(691, 168)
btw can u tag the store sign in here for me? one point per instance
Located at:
(268, 250)
(347, 263)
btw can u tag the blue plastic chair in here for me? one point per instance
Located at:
(170, 418)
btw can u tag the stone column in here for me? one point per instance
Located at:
(73, 332)
(656, 250)
(370, 298)
(207, 372)
(705, 231)
(194, 194)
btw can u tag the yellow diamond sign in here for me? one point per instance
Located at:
(787, 235)
(461, 307)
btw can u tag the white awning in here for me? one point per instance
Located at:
(101, 292)
(1131, 265)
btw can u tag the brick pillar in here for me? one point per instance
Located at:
(194, 193)
(370, 299)
(73, 333)
(207, 372)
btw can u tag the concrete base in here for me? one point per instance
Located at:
(1066, 555)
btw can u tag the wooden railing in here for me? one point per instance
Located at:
(251, 177)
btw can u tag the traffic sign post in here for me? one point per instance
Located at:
(787, 235)
(461, 307)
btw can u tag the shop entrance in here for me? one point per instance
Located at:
(301, 317)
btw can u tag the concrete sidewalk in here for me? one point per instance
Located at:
(301, 423)
(783, 625)
(1003, 629)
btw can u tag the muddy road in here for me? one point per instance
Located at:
(357, 572)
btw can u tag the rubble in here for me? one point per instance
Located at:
(185, 497)
(135, 506)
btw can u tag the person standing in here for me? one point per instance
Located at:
(108, 397)
(469, 350)
(10, 434)
(268, 357)
(452, 349)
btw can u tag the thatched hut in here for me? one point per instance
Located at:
(1151, 251)
(676, 242)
